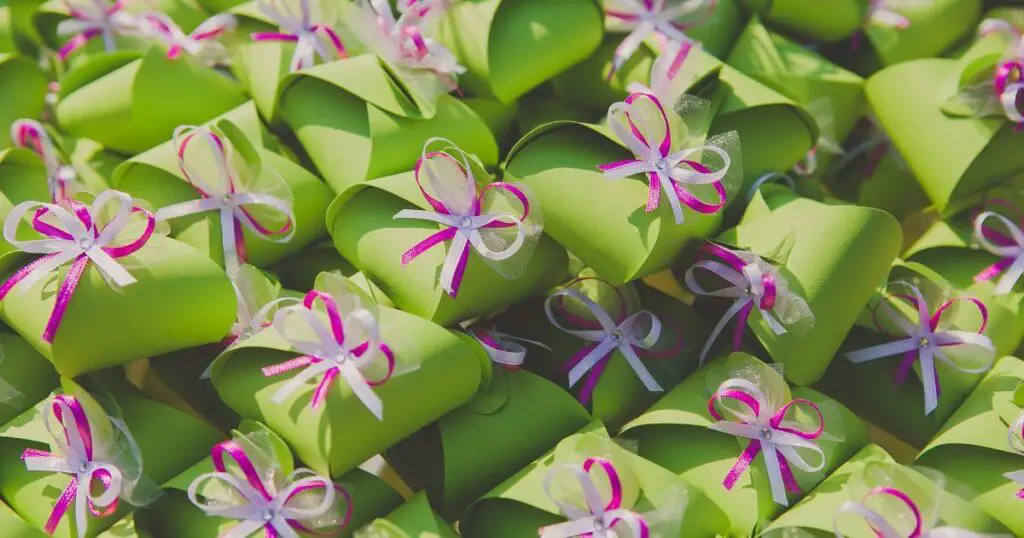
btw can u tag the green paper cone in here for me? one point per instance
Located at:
(824, 20)
(414, 519)
(934, 28)
(22, 92)
(14, 527)
(24, 369)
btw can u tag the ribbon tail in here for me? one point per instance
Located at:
(929, 378)
(629, 46)
(741, 465)
(668, 184)
(454, 264)
(587, 362)
(638, 367)
(1010, 277)
(362, 389)
(64, 294)
(775, 479)
(593, 377)
(81, 510)
(720, 326)
(61, 507)
(298, 380)
(228, 243)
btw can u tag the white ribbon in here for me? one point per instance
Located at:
(84, 241)
(1016, 441)
(610, 337)
(1008, 29)
(775, 443)
(309, 44)
(596, 521)
(398, 46)
(928, 344)
(669, 79)
(58, 175)
(1011, 274)
(659, 20)
(256, 512)
(199, 43)
(884, 529)
(97, 17)
(220, 198)
(786, 179)
(508, 352)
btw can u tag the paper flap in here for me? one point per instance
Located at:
(365, 77)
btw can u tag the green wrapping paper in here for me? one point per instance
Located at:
(972, 446)
(835, 266)
(472, 449)
(362, 223)
(619, 394)
(299, 271)
(414, 519)
(27, 372)
(174, 516)
(169, 442)
(22, 92)
(429, 360)
(822, 20)
(156, 177)
(510, 47)
(933, 28)
(15, 527)
(356, 122)
(124, 101)
(675, 434)
(519, 506)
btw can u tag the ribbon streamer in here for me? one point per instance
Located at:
(61, 179)
(769, 432)
(599, 518)
(223, 195)
(312, 39)
(92, 19)
(504, 349)
(669, 81)
(74, 235)
(263, 506)
(77, 456)
(460, 210)
(644, 18)
(754, 284)
(1009, 248)
(883, 528)
(200, 43)
(925, 343)
(1015, 438)
(331, 354)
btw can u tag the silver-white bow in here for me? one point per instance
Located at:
(1015, 251)
(1008, 29)
(59, 177)
(644, 22)
(507, 351)
(99, 16)
(596, 521)
(401, 42)
(884, 529)
(309, 45)
(200, 43)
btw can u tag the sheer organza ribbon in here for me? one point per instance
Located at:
(462, 224)
(597, 520)
(605, 337)
(61, 179)
(1009, 248)
(644, 18)
(402, 40)
(331, 354)
(769, 432)
(883, 528)
(96, 18)
(503, 349)
(200, 43)
(274, 512)
(666, 170)
(668, 80)
(1015, 438)
(924, 343)
(95, 485)
(304, 32)
(222, 195)
(74, 235)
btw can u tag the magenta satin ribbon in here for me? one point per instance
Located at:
(449, 233)
(338, 331)
(625, 49)
(70, 282)
(767, 301)
(1020, 492)
(175, 50)
(998, 238)
(754, 448)
(81, 423)
(332, 36)
(29, 136)
(80, 40)
(615, 502)
(905, 499)
(1006, 74)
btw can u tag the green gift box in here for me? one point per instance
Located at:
(512, 46)
(175, 516)
(156, 177)
(520, 505)
(972, 446)
(472, 449)
(125, 101)
(22, 92)
(26, 374)
(675, 433)
(356, 121)
(169, 442)
(428, 359)
(834, 266)
(362, 223)
(414, 519)
(931, 29)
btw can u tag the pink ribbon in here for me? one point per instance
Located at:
(76, 458)
(62, 180)
(643, 18)
(299, 28)
(98, 19)
(200, 43)
(74, 235)
(1010, 90)
(1015, 438)
(600, 517)
(1009, 247)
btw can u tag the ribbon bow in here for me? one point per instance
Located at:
(222, 193)
(668, 79)
(769, 432)
(61, 179)
(925, 342)
(884, 12)
(331, 354)
(263, 506)
(461, 210)
(304, 32)
(641, 124)
(1015, 438)
(754, 284)
(95, 18)
(883, 528)
(77, 455)
(605, 337)
(1009, 248)
(504, 349)
(74, 234)
(1008, 29)
(599, 517)
(642, 18)
(200, 43)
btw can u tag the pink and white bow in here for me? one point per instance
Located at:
(598, 519)
(744, 410)
(888, 13)
(604, 336)
(61, 179)
(925, 340)
(642, 125)
(902, 517)
(505, 241)
(753, 283)
(1015, 438)
(231, 190)
(1007, 29)
(97, 480)
(265, 499)
(641, 19)
(201, 43)
(313, 38)
(669, 80)
(1009, 247)
(96, 18)
(503, 349)
(346, 347)
(79, 234)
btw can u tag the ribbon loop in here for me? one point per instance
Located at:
(1015, 438)
(92, 19)
(312, 35)
(599, 517)
(200, 43)
(641, 19)
(61, 179)
(1009, 247)
(504, 349)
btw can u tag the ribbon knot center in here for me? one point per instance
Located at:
(662, 165)
(66, 174)
(924, 342)
(267, 514)
(85, 242)
(465, 222)
(616, 336)
(765, 434)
